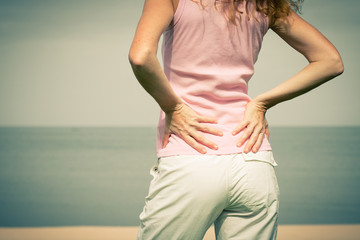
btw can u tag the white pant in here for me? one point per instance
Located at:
(188, 193)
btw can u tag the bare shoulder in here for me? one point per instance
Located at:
(284, 24)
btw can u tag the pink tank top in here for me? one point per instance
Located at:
(209, 62)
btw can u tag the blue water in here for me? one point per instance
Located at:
(100, 176)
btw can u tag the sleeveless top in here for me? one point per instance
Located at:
(209, 61)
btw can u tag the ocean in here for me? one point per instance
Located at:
(72, 176)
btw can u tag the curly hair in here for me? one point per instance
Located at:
(274, 9)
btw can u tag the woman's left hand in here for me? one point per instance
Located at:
(255, 125)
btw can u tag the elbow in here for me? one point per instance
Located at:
(337, 65)
(139, 58)
(340, 68)
(135, 59)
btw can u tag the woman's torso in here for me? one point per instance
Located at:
(209, 62)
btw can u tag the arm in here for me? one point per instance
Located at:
(156, 16)
(324, 64)
(180, 119)
(324, 60)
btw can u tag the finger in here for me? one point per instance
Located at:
(165, 139)
(207, 129)
(205, 119)
(258, 142)
(252, 140)
(194, 144)
(204, 141)
(240, 127)
(245, 135)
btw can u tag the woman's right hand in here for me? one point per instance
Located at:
(188, 125)
(254, 125)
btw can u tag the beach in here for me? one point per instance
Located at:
(293, 232)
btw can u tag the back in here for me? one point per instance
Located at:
(209, 61)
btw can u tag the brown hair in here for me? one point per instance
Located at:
(274, 9)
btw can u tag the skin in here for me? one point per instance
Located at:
(324, 64)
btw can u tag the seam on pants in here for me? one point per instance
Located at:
(268, 189)
(230, 175)
(228, 185)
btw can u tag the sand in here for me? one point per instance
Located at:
(286, 232)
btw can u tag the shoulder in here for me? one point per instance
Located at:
(285, 23)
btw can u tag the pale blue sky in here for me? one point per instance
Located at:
(64, 63)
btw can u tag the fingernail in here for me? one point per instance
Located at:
(220, 133)
(203, 151)
(233, 133)
(216, 147)
(238, 145)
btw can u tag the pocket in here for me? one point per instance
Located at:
(261, 186)
(262, 156)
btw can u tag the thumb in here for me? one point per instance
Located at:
(267, 133)
(165, 138)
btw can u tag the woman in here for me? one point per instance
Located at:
(215, 163)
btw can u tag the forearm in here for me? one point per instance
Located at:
(312, 76)
(150, 75)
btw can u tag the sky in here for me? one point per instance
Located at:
(65, 63)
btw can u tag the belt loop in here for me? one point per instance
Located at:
(242, 156)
